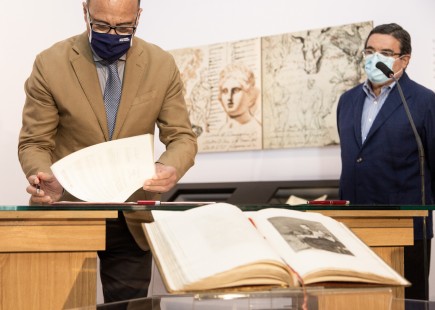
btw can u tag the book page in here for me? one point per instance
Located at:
(206, 241)
(320, 248)
(109, 171)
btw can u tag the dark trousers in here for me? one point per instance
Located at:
(125, 269)
(415, 272)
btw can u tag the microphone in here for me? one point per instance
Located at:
(390, 74)
(385, 70)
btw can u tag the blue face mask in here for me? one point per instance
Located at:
(374, 74)
(110, 47)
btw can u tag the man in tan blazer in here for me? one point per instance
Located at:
(65, 112)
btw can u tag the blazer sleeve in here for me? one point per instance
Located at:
(175, 129)
(39, 123)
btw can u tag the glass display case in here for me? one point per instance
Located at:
(49, 256)
(316, 298)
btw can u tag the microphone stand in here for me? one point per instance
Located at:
(417, 139)
(423, 194)
(390, 74)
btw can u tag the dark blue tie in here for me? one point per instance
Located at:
(112, 95)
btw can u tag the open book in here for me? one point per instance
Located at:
(107, 172)
(218, 246)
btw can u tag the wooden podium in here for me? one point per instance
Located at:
(385, 231)
(48, 259)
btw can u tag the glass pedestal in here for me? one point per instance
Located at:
(313, 298)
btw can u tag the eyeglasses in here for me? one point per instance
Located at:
(105, 28)
(386, 53)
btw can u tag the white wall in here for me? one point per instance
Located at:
(31, 26)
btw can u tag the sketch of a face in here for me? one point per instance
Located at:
(233, 98)
(237, 92)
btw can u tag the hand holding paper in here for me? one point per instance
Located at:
(164, 179)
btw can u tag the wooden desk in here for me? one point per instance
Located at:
(386, 232)
(48, 259)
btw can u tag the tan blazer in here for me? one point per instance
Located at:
(64, 110)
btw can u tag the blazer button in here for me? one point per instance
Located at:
(359, 160)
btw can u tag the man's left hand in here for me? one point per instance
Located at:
(163, 180)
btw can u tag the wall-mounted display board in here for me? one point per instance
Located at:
(271, 92)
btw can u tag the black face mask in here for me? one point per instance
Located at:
(110, 47)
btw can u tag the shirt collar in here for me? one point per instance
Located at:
(367, 87)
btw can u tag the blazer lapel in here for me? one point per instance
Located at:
(359, 104)
(133, 75)
(86, 72)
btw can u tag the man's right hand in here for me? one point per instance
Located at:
(44, 188)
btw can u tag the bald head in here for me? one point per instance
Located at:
(138, 2)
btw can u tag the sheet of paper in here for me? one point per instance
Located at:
(109, 171)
